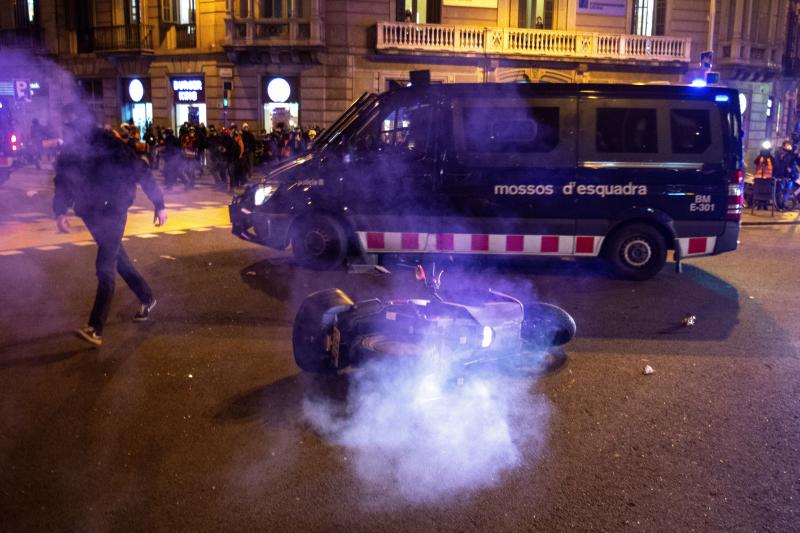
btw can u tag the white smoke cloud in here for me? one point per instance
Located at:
(415, 433)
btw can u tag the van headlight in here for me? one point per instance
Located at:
(262, 193)
(488, 337)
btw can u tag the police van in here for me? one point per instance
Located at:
(624, 172)
(9, 143)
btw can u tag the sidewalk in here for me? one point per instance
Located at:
(761, 217)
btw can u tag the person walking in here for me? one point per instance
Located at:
(173, 159)
(96, 176)
(37, 137)
(248, 157)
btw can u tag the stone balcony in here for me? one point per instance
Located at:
(273, 32)
(404, 37)
(753, 61)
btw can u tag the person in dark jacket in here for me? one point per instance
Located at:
(96, 176)
(173, 159)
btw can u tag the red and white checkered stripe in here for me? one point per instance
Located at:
(479, 243)
(691, 246)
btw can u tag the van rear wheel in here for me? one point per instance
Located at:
(636, 252)
(319, 242)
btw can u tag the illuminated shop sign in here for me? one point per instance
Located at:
(135, 90)
(280, 90)
(188, 90)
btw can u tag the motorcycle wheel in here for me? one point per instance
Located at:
(312, 324)
(533, 361)
(545, 325)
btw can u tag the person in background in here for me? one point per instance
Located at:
(764, 164)
(37, 137)
(96, 176)
(173, 159)
(249, 142)
(784, 170)
(189, 143)
(237, 168)
(202, 144)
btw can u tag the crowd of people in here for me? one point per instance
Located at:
(229, 154)
(783, 167)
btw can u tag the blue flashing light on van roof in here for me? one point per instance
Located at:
(721, 98)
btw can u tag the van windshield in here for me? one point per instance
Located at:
(332, 132)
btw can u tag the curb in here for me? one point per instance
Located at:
(776, 223)
(782, 219)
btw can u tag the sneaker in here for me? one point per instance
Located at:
(89, 334)
(144, 311)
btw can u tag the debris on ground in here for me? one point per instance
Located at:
(647, 370)
(168, 257)
(689, 320)
(251, 273)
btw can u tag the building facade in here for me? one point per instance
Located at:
(301, 62)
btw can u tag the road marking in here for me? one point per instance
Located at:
(83, 243)
(175, 232)
(29, 215)
(146, 236)
(48, 248)
(199, 229)
(223, 226)
(11, 252)
(172, 206)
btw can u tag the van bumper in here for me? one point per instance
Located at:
(270, 230)
(728, 240)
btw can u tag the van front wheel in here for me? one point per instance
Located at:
(319, 242)
(637, 252)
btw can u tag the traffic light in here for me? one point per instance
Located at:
(226, 92)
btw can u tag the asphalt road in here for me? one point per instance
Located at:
(199, 420)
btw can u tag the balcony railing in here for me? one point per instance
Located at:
(754, 55)
(137, 37)
(186, 36)
(273, 32)
(404, 36)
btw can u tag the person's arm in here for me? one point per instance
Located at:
(63, 198)
(153, 192)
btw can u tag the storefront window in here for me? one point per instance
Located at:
(281, 104)
(190, 100)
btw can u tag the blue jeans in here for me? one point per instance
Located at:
(107, 230)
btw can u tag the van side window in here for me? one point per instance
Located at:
(690, 130)
(507, 129)
(407, 128)
(626, 130)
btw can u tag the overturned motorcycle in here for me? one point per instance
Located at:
(332, 333)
